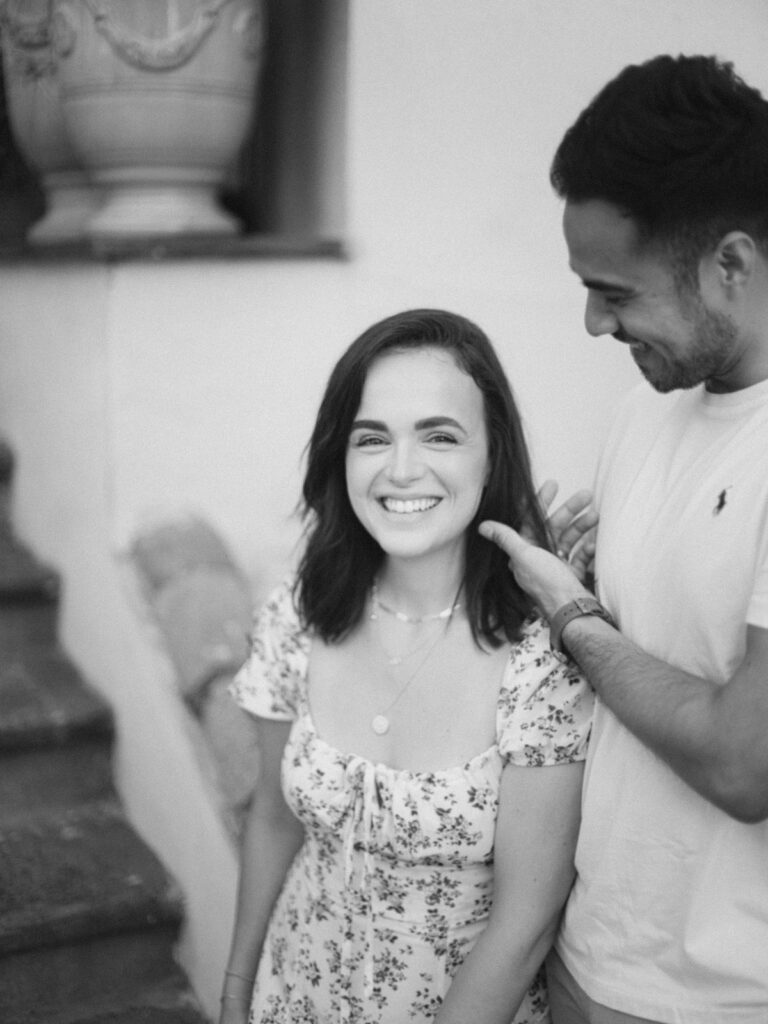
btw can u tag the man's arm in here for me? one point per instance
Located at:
(715, 737)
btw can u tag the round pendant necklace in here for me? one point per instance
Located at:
(380, 722)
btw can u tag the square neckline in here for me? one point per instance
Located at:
(474, 762)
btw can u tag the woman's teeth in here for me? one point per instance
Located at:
(410, 505)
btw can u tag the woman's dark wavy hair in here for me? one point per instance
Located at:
(340, 557)
(679, 143)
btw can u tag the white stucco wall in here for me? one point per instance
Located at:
(137, 391)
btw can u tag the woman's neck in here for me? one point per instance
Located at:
(417, 589)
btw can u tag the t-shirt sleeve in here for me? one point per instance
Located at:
(545, 710)
(268, 684)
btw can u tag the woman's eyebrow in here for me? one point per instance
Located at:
(439, 421)
(426, 424)
(368, 425)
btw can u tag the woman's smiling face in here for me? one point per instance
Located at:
(417, 457)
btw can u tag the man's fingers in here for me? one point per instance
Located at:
(507, 539)
(580, 528)
(572, 520)
(577, 504)
(546, 494)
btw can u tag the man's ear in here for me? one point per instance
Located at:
(733, 260)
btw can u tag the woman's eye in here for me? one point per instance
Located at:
(368, 441)
(441, 439)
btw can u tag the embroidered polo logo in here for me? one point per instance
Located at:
(721, 501)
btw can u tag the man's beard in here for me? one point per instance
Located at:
(714, 337)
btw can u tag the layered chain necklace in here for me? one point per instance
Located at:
(380, 722)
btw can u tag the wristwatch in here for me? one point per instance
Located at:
(574, 610)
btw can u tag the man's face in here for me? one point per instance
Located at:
(633, 295)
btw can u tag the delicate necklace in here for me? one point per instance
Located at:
(402, 617)
(397, 659)
(394, 659)
(380, 722)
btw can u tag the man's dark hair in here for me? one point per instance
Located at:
(341, 558)
(681, 145)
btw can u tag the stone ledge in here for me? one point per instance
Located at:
(155, 249)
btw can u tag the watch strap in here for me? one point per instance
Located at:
(574, 610)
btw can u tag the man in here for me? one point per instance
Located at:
(665, 181)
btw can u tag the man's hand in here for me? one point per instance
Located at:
(549, 580)
(573, 527)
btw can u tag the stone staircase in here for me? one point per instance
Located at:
(88, 916)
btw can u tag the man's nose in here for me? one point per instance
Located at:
(598, 317)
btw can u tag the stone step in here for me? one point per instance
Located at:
(30, 622)
(44, 702)
(115, 979)
(144, 1015)
(22, 576)
(55, 734)
(88, 915)
(48, 778)
(28, 595)
(76, 873)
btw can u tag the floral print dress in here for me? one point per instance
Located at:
(394, 881)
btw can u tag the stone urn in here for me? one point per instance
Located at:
(157, 97)
(36, 118)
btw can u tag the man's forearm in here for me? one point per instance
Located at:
(713, 735)
(683, 718)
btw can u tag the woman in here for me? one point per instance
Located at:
(413, 863)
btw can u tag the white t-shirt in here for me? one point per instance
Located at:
(668, 918)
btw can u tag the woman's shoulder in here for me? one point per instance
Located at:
(280, 605)
(532, 647)
(531, 659)
(271, 680)
(545, 704)
(278, 620)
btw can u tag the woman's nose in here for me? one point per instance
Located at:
(405, 463)
(598, 316)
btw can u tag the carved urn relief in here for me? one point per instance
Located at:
(157, 97)
(35, 115)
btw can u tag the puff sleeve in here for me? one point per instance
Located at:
(545, 708)
(269, 682)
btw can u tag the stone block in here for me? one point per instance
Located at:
(168, 550)
(203, 606)
(205, 616)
